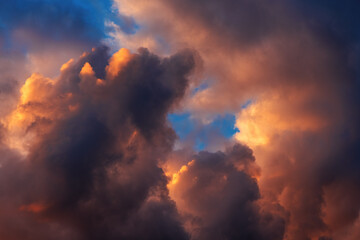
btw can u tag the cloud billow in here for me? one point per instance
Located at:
(92, 167)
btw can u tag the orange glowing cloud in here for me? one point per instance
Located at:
(270, 116)
(36, 89)
(36, 94)
(175, 176)
(117, 62)
(87, 70)
(67, 65)
(35, 101)
(88, 78)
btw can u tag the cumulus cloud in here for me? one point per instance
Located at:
(90, 168)
(218, 192)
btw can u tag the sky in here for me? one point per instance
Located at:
(179, 119)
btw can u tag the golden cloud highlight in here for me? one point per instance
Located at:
(117, 62)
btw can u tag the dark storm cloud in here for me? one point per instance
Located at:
(93, 173)
(220, 195)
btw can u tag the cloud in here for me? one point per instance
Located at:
(218, 192)
(91, 153)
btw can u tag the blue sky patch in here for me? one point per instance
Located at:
(192, 129)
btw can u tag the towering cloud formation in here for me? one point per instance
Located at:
(93, 139)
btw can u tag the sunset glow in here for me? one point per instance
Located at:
(179, 120)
